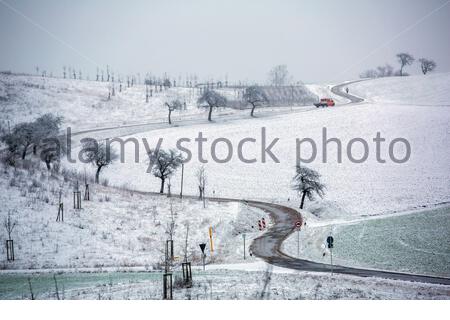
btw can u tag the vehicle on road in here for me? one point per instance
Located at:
(325, 102)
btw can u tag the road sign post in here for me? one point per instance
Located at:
(330, 245)
(298, 225)
(202, 247)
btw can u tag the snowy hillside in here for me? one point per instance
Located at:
(116, 228)
(429, 90)
(352, 189)
(85, 104)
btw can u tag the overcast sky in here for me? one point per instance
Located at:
(319, 41)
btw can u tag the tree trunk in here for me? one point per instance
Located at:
(200, 191)
(47, 163)
(162, 186)
(303, 200)
(253, 110)
(24, 153)
(170, 121)
(210, 112)
(34, 149)
(97, 174)
(401, 71)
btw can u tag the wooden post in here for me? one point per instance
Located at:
(77, 200)
(169, 250)
(187, 273)
(76, 197)
(60, 216)
(167, 286)
(9, 250)
(86, 193)
(182, 176)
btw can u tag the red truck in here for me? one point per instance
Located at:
(325, 102)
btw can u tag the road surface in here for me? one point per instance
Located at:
(268, 248)
(340, 91)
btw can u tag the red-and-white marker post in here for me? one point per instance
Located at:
(298, 225)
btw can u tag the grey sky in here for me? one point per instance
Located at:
(318, 40)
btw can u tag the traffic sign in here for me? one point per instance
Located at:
(330, 242)
(202, 247)
(298, 224)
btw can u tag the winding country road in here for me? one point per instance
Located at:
(268, 246)
(340, 91)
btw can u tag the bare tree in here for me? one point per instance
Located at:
(99, 154)
(427, 65)
(405, 59)
(164, 164)
(211, 99)
(255, 96)
(307, 183)
(385, 71)
(22, 136)
(9, 224)
(202, 180)
(173, 105)
(371, 73)
(279, 75)
(45, 127)
(171, 226)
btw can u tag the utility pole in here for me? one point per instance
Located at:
(243, 237)
(182, 176)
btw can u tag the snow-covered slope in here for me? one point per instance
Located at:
(84, 104)
(116, 228)
(428, 90)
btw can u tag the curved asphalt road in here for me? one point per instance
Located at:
(340, 91)
(268, 248)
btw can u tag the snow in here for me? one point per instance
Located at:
(117, 228)
(215, 284)
(324, 91)
(118, 231)
(425, 90)
(413, 242)
(368, 188)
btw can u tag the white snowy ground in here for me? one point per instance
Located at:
(429, 90)
(117, 228)
(353, 191)
(324, 91)
(84, 104)
(215, 284)
(368, 188)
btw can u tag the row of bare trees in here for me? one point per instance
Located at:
(211, 99)
(404, 59)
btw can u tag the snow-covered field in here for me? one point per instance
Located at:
(215, 284)
(84, 104)
(414, 242)
(122, 228)
(429, 90)
(353, 189)
(117, 228)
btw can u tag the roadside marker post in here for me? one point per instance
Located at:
(202, 247)
(330, 245)
(211, 246)
(298, 225)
